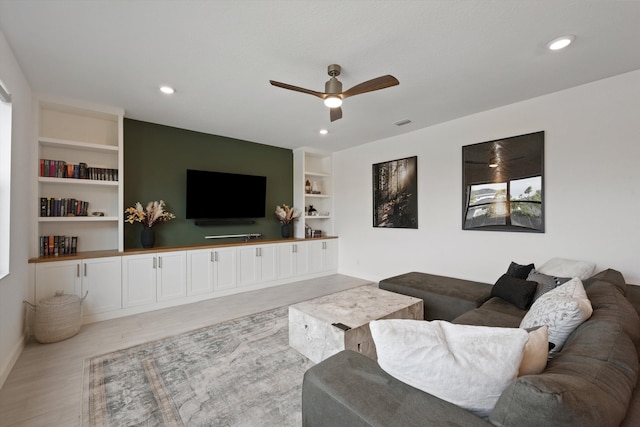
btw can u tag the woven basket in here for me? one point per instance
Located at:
(57, 318)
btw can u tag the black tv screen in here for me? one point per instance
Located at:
(220, 195)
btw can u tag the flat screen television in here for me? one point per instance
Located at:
(220, 195)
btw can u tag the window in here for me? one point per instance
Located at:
(5, 178)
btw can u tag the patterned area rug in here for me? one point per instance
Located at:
(237, 373)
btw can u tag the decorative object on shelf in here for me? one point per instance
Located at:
(312, 211)
(147, 237)
(154, 213)
(307, 187)
(286, 215)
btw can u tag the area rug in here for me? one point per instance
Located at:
(237, 373)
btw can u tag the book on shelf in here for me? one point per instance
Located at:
(55, 207)
(58, 245)
(61, 169)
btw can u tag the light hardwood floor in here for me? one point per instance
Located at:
(45, 386)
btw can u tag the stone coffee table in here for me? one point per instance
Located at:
(311, 323)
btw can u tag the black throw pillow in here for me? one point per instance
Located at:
(519, 271)
(518, 292)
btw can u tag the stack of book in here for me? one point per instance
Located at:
(51, 206)
(61, 169)
(58, 245)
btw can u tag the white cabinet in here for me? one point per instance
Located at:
(257, 264)
(102, 283)
(99, 278)
(323, 255)
(153, 277)
(72, 137)
(210, 269)
(293, 259)
(315, 168)
(138, 280)
(171, 275)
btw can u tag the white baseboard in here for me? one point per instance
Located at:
(7, 367)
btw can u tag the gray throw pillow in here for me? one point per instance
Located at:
(545, 282)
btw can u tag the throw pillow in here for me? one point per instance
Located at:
(562, 309)
(568, 268)
(545, 282)
(518, 292)
(536, 351)
(469, 366)
(519, 271)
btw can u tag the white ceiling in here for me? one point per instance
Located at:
(452, 58)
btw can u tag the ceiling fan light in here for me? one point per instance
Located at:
(333, 101)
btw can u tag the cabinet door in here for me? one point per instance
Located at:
(248, 272)
(316, 256)
(268, 263)
(102, 282)
(292, 259)
(330, 254)
(301, 258)
(171, 275)
(52, 277)
(138, 280)
(224, 262)
(286, 260)
(200, 271)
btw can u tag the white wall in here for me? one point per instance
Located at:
(592, 181)
(13, 288)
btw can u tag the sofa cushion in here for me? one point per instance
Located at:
(518, 292)
(545, 282)
(609, 275)
(495, 312)
(519, 271)
(534, 357)
(562, 267)
(589, 383)
(350, 390)
(466, 365)
(562, 309)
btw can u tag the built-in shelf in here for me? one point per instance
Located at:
(77, 218)
(76, 181)
(316, 167)
(77, 145)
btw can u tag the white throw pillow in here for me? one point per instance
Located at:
(562, 309)
(561, 267)
(536, 352)
(469, 366)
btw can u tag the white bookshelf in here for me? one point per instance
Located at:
(316, 167)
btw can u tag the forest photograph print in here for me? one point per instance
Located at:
(395, 193)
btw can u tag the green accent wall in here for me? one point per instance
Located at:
(156, 158)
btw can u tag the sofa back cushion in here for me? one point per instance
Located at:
(590, 382)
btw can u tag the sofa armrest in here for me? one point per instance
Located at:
(349, 389)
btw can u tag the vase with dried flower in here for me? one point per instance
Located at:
(286, 215)
(154, 213)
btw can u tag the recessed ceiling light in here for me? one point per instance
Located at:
(323, 131)
(561, 42)
(167, 90)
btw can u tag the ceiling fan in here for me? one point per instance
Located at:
(333, 94)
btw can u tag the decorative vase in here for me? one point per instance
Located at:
(286, 230)
(147, 237)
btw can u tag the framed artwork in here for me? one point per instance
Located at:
(395, 193)
(503, 184)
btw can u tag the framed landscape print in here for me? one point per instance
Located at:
(395, 193)
(503, 184)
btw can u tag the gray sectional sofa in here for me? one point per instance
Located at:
(590, 382)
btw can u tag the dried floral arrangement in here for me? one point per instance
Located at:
(154, 213)
(287, 214)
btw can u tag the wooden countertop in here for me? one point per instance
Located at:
(136, 251)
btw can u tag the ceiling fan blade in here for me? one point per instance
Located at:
(371, 85)
(335, 113)
(298, 89)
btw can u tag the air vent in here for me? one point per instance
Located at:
(402, 122)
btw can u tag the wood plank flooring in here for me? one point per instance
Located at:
(45, 386)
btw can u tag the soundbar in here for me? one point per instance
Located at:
(224, 221)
